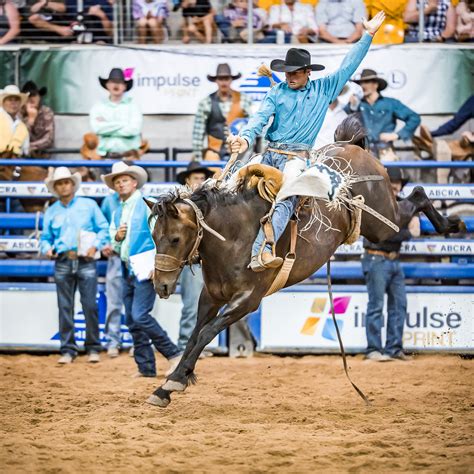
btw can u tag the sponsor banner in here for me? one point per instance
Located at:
(29, 317)
(302, 320)
(14, 244)
(441, 192)
(93, 190)
(172, 80)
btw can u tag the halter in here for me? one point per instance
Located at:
(168, 263)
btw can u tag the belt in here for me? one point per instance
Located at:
(70, 255)
(291, 154)
(390, 255)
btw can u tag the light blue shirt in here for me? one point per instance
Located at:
(299, 114)
(109, 205)
(62, 224)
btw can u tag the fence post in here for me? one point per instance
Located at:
(250, 21)
(115, 22)
(421, 22)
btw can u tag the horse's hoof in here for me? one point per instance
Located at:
(173, 386)
(158, 402)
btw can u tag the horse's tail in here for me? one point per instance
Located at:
(351, 130)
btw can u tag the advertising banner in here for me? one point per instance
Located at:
(173, 80)
(436, 320)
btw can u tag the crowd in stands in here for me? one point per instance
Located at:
(203, 21)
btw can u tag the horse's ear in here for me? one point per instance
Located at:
(150, 204)
(172, 210)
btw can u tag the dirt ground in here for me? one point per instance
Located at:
(266, 414)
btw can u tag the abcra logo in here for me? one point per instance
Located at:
(321, 310)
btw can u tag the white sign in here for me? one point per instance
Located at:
(442, 192)
(302, 320)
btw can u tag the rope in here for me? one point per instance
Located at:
(341, 346)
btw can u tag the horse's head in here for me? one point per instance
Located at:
(175, 233)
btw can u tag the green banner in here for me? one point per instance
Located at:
(7, 68)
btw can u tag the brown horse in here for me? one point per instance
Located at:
(229, 284)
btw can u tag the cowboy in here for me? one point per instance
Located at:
(39, 120)
(380, 114)
(215, 114)
(191, 280)
(384, 274)
(74, 231)
(131, 237)
(14, 137)
(115, 121)
(298, 107)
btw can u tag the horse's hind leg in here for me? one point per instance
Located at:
(237, 308)
(418, 201)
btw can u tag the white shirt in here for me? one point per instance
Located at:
(25, 149)
(331, 121)
(301, 17)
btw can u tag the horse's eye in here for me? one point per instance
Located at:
(175, 240)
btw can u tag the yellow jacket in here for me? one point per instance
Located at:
(13, 135)
(392, 30)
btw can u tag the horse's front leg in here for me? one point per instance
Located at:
(238, 307)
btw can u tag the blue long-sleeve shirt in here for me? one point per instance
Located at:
(299, 114)
(465, 113)
(62, 224)
(109, 205)
(382, 115)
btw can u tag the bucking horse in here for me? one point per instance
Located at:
(185, 226)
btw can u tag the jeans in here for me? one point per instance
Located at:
(384, 276)
(68, 275)
(139, 298)
(191, 287)
(283, 209)
(113, 290)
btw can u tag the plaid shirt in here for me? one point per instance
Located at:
(435, 23)
(202, 114)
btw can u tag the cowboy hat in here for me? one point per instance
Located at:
(121, 168)
(193, 167)
(13, 91)
(62, 173)
(371, 75)
(31, 88)
(116, 74)
(396, 174)
(296, 58)
(223, 70)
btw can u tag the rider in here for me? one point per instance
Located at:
(298, 107)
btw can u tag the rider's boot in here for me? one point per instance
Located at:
(259, 263)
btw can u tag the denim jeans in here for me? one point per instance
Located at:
(113, 290)
(139, 298)
(191, 287)
(69, 275)
(384, 276)
(283, 209)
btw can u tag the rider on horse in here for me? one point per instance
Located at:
(298, 107)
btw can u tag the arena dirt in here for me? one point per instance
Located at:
(266, 414)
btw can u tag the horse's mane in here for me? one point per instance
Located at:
(351, 130)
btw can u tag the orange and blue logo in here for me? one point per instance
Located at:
(322, 311)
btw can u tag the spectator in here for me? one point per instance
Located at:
(340, 21)
(296, 20)
(465, 22)
(94, 22)
(384, 274)
(50, 17)
(131, 236)
(191, 280)
(74, 230)
(233, 23)
(39, 120)
(216, 112)
(9, 22)
(440, 21)
(113, 285)
(198, 21)
(465, 113)
(392, 30)
(150, 15)
(14, 137)
(115, 121)
(380, 115)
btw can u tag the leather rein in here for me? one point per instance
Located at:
(168, 263)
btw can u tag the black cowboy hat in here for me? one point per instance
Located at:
(223, 70)
(29, 87)
(116, 74)
(396, 174)
(193, 167)
(371, 75)
(296, 58)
